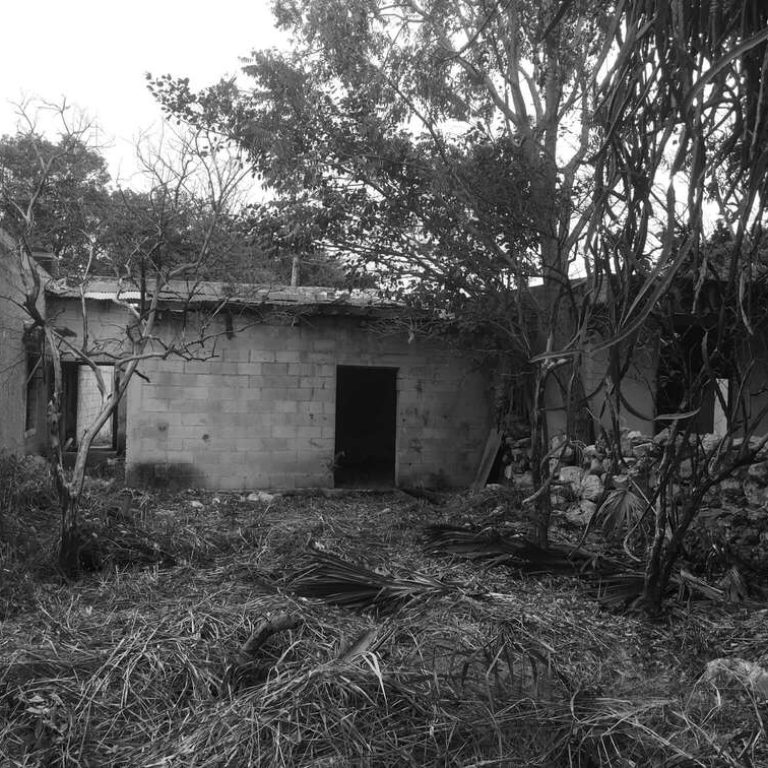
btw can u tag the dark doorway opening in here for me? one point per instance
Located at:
(366, 423)
(685, 380)
(81, 402)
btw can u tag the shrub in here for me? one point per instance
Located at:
(27, 519)
(25, 482)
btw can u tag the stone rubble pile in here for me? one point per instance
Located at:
(734, 512)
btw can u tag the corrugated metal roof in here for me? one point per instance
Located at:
(183, 292)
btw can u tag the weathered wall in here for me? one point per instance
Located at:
(261, 414)
(753, 353)
(13, 362)
(638, 388)
(105, 325)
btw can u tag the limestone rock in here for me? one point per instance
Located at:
(523, 480)
(737, 673)
(581, 513)
(621, 482)
(754, 492)
(594, 452)
(592, 488)
(759, 472)
(596, 467)
(571, 475)
(261, 496)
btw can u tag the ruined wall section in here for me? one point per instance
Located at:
(14, 437)
(638, 388)
(260, 413)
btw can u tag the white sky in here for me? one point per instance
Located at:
(96, 52)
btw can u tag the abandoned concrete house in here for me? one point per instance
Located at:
(294, 387)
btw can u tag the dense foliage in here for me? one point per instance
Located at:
(425, 142)
(65, 183)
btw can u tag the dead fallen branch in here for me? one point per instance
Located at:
(264, 630)
(251, 664)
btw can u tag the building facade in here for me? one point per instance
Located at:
(293, 388)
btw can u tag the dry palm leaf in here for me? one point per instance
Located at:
(340, 582)
(496, 548)
(620, 512)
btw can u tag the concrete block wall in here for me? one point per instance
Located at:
(261, 413)
(13, 359)
(14, 437)
(105, 324)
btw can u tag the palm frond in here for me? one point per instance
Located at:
(620, 512)
(619, 590)
(343, 583)
(496, 548)
(469, 543)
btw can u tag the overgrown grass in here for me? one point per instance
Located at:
(148, 663)
(27, 516)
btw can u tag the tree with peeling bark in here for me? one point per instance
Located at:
(188, 199)
(443, 145)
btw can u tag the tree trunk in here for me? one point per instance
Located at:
(549, 335)
(540, 472)
(70, 542)
(653, 590)
(67, 492)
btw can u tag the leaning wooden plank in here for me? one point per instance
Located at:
(486, 462)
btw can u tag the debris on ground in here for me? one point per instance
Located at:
(250, 643)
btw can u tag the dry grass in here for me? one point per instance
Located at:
(142, 664)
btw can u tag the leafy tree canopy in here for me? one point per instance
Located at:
(598, 120)
(59, 196)
(426, 140)
(63, 184)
